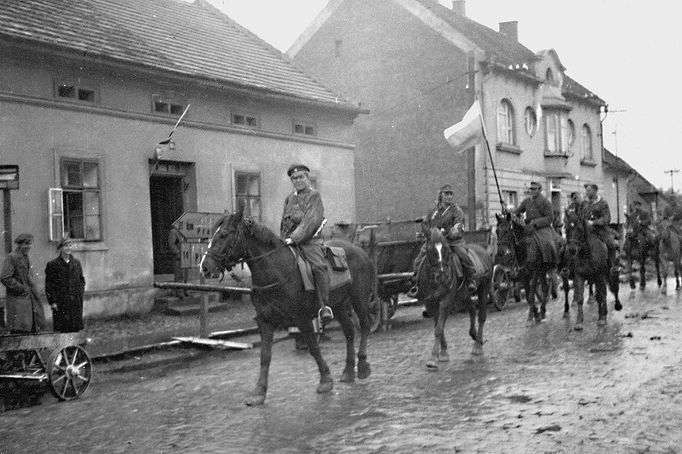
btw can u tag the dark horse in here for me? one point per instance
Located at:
(669, 253)
(280, 299)
(586, 259)
(640, 244)
(532, 269)
(445, 289)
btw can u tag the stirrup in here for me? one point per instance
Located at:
(325, 313)
(412, 292)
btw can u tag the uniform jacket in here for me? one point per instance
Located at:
(445, 217)
(64, 287)
(597, 211)
(539, 212)
(23, 309)
(302, 216)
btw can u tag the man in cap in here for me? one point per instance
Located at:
(596, 212)
(575, 205)
(639, 213)
(64, 288)
(302, 221)
(23, 309)
(446, 215)
(539, 218)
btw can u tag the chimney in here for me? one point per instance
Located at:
(510, 29)
(459, 6)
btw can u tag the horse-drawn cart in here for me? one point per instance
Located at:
(57, 360)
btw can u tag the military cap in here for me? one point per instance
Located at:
(64, 242)
(445, 188)
(297, 168)
(592, 185)
(535, 185)
(24, 238)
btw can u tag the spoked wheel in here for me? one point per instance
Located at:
(501, 286)
(69, 372)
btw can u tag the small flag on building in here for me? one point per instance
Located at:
(163, 146)
(468, 132)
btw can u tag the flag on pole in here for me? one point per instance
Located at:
(163, 146)
(468, 132)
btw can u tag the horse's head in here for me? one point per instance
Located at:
(439, 259)
(576, 234)
(225, 248)
(509, 232)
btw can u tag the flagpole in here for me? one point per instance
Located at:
(497, 183)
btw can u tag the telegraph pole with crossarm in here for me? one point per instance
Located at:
(671, 172)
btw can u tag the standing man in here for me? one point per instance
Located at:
(24, 311)
(539, 219)
(302, 221)
(64, 288)
(598, 216)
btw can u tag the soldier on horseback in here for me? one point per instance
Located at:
(539, 220)
(302, 220)
(449, 218)
(596, 212)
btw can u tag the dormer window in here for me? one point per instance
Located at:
(549, 75)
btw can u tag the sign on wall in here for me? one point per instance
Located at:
(197, 229)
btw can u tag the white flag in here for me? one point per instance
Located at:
(468, 132)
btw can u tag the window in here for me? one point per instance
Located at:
(246, 120)
(563, 130)
(571, 133)
(81, 199)
(549, 75)
(557, 133)
(167, 105)
(247, 191)
(510, 198)
(76, 92)
(586, 144)
(505, 122)
(304, 128)
(530, 121)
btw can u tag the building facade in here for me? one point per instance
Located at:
(83, 106)
(418, 66)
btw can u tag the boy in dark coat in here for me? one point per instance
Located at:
(64, 288)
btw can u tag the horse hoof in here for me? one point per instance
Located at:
(432, 364)
(348, 376)
(601, 322)
(443, 357)
(578, 327)
(364, 370)
(618, 306)
(477, 350)
(325, 386)
(567, 315)
(255, 400)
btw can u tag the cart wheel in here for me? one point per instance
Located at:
(501, 285)
(69, 371)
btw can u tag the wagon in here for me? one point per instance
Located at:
(57, 360)
(393, 246)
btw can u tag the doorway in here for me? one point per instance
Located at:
(166, 201)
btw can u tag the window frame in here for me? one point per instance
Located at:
(78, 85)
(305, 125)
(238, 196)
(175, 105)
(82, 190)
(529, 116)
(254, 124)
(586, 144)
(510, 197)
(505, 129)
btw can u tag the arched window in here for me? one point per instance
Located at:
(530, 121)
(586, 143)
(505, 122)
(571, 133)
(549, 75)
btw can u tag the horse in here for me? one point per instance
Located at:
(669, 253)
(280, 299)
(532, 270)
(446, 289)
(640, 244)
(586, 259)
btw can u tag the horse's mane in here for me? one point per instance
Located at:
(259, 232)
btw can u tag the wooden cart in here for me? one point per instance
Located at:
(57, 360)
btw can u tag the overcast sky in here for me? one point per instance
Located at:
(626, 52)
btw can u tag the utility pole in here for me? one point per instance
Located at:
(671, 172)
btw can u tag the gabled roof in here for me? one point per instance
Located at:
(179, 37)
(576, 91)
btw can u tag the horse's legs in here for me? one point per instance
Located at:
(439, 344)
(529, 284)
(677, 273)
(578, 295)
(665, 265)
(601, 301)
(642, 271)
(362, 311)
(326, 382)
(632, 278)
(655, 254)
(267, 333)
(614, 285)
(481, 310)
(566, 305)
(343, 317)
(544, 288)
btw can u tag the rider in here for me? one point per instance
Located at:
(574, 206)
(638, 213)
(539, 219)
(598, 216)
(302, 220)
(449, 218)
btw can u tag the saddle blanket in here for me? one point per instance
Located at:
(336, 278)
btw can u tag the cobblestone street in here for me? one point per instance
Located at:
(540, 388)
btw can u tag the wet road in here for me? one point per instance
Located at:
(539, 388)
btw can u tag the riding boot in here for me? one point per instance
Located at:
(322, 288)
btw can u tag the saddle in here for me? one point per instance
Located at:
(339, 274)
